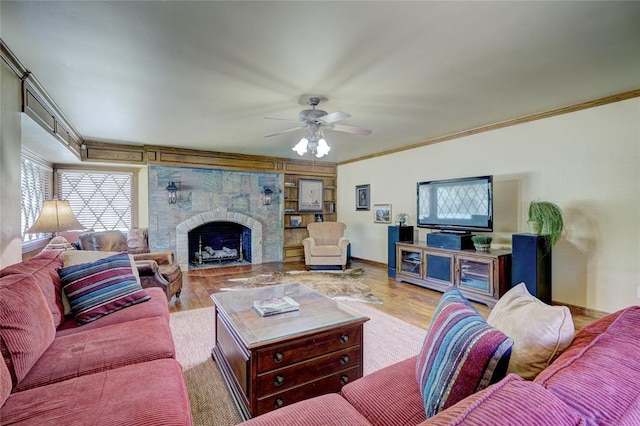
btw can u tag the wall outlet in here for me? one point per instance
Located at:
(638, 292)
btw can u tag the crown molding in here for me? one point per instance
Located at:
(40, 106)
(630, 94)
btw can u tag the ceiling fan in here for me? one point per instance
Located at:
(314, 121)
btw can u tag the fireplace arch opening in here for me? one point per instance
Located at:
(235, 231)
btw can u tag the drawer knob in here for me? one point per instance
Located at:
(278, 356)
(344, 359)
(344, 380)
(278, 403)
(344, 338)
(278, 380)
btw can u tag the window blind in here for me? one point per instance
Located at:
(36, 184)
(101, 200)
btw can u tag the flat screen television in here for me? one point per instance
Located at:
(456, 205)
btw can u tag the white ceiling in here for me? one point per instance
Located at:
(202, 74)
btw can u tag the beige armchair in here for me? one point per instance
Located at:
(325, 245)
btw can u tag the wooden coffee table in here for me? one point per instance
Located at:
(270, 362)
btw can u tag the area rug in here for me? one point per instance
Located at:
(339, 285)
(387, 340)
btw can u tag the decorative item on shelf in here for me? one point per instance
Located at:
(382, 213)
(295, 220)
(402, 219)
(55, 215)
(172, 189)
(545, 218)
(482, 242)
(267, 196)
(362, 197)
(319, 218)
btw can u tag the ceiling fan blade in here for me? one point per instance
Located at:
(281, 119)
(350, 129)
(334, 116)
(293, 129)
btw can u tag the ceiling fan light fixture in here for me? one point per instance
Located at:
(322, 149)
(314, 121)
(301, 146)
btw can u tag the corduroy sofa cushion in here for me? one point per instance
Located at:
(461, 354)
(155, 307)
(512, 401)
(540, 332)
(330, 409)
(26, 324)
(598, 376)
(5, 383)
(151, 393)
(105, 348)
(102, 287)
(43, 268)
(388, 396)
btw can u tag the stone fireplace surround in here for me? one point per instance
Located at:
(182, 233)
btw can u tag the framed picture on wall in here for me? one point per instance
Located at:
(363, 195)
(382, 213)
(310, 195)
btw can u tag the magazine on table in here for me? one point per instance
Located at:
(275, 306)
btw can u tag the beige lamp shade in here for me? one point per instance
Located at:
(56, 215)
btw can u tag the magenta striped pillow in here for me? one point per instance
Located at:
(461, 354)
(102, 287)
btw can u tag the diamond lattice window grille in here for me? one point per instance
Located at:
(101, 201)
(460, 202)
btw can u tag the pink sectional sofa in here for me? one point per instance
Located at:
(595, 381)
(118, 369)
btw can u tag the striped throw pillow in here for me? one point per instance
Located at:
(461, 354)
(102, 287)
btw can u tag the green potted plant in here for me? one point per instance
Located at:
(482, 242)
(545, 218)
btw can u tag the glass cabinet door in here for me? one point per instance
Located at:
(410, 261)
(439, 268)
(475, 275)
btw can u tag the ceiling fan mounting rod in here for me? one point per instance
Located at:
(314, 102)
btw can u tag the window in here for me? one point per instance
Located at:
(101, 200)
(37, 186)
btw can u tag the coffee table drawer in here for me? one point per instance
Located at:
(300, 350)
(293, 375)
(329, 384)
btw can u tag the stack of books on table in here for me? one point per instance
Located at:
(275, 306)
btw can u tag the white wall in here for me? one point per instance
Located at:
(588, 162)
(10, 147)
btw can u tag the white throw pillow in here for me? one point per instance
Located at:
(540, 332)
(77, 257)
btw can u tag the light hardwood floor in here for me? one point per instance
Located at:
(407, 302)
